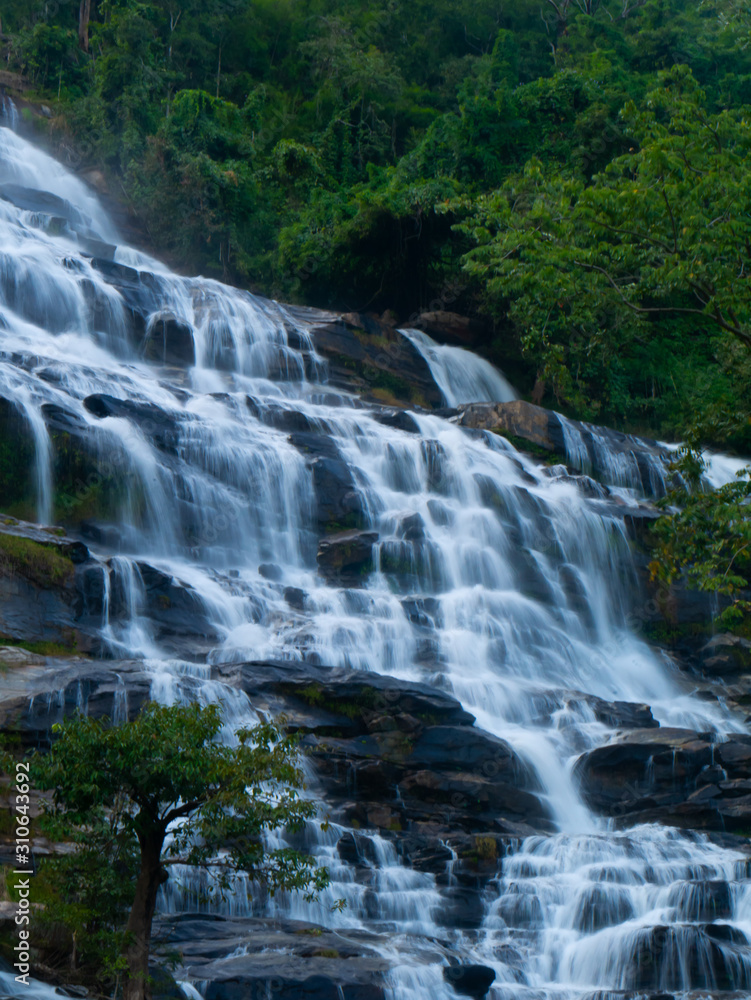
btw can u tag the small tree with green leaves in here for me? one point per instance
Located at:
(160, 790)
(707, 537)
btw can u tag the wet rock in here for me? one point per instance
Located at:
(340, 505)
(669, 956)
(725, 656)
(470, 980)
(38, 696)
(295, 598)
(238, 959)
(270, 571)
(399, 419)
(346, 559)
(40, 591)
(170, 340)
(40, 202)
(671, 776)
(370, 357)
(17, 453)
(156, 423)
(393, 754)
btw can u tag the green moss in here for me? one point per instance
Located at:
(326, 953)
(42, 564)
(40, 648)
(522, 444)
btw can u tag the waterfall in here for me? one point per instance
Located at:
(461, 376)
(206, 428)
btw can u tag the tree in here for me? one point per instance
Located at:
(84, 16)
(657, 242)
(708, 539)
(160, 790)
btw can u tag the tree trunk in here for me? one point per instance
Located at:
(84, 15)
(138, 931)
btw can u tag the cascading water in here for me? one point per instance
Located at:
(491, 577)
(461, 376)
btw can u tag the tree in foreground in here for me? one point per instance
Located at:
(137, 797)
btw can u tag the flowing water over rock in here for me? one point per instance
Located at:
(239, 512)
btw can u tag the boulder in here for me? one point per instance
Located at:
(339, 503)
(470, 980)
(672, 776)
(40, 597)
(346, 559)
(170, 340)
(35, 698)
(725, 655)
(372, 358)
(394, 754)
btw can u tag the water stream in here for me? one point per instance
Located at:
(523, 587)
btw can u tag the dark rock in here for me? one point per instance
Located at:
(321, 690)
(368, 356)
(399, 419)
(346, 559)
(40, 202)
(470, 980)
(270, 571)
(340, 505)
(157, 424)
(36, 697)
(17, 453)
(41, 586)
(169, 340)
(725, 656)
(295, 598)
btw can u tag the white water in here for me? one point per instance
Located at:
(462, 377)
(526, 589)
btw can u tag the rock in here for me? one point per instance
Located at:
(32, 700)
(40, 600)
(238, 959)
(339, 504)
(470, 980)
(169, 340)
(725, 656)
(452, 328)
(346, 559)
(519, 419)
(708, 961)
(295, 598)
(160, 426)
(270, 571)
(393, 754)
(371, 357)
(671, 776)
(17, 453)
(14, 656)
(599, 451)
(399, 419)
(40, 202)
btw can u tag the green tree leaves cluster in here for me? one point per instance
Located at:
(135, 798)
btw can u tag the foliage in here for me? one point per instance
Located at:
(651, 253)
(139, 797)
(709, 539)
